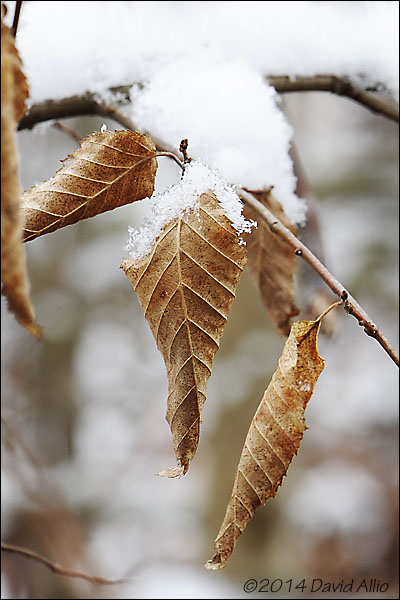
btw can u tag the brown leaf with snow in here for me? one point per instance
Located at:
(272, 264)
(274, 435)
(109, 170)
(14, 92)
(186, 286)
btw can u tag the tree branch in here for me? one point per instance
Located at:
(74, 106)
(91, 104)
(368, 98)
(57, 568)
(350, 305)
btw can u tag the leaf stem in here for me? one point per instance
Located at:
(350, 305)
(328, 310)
(174, 157)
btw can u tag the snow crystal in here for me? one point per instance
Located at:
(181, 197)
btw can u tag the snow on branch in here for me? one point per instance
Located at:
(92, 104)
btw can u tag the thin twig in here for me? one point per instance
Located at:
(341, 87)
(68, 130)
(57, 568)
(17, 13)
(350, 305)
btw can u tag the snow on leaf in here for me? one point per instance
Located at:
(274, 435)
(186, 286)
(110, 169)
(14, 93)
(183, 196)
(272, 264)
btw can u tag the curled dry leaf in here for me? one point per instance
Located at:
(274, 435)
(14, 92)
(186, 287)
(272, 264)
(110, 169)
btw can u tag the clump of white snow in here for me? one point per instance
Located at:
(181, 197)
(230, 116)
(120, 43)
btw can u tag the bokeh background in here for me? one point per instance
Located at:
(83, 411)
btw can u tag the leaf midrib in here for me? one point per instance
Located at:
(184, 308)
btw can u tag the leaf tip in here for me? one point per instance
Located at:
(173, 472)
(215, 564)
(125, 264)
(35, 330)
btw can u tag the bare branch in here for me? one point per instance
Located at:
(57, 568)
(73, 106)
(88, 104)
(350, 305)
(371, 98)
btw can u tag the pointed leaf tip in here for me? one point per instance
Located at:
(172, 472)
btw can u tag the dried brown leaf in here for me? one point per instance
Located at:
(110, 169)
(274, 435)
(14, 92)
(272, 264)
(186, 287)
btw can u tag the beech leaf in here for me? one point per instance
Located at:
(272, 264)
(14, 92)
(186, 286)
(274, 435)
(110, 169)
